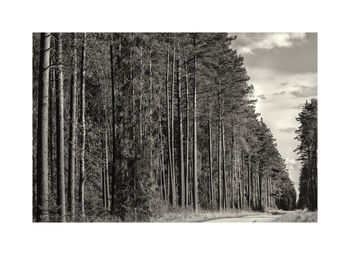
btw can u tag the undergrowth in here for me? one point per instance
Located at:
(298, 216)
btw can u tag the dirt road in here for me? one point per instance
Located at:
(261, 217)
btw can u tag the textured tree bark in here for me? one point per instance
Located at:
(151, 111)
(163, 181)
(311, 194)
(211, 191)
(107, 174)
(82, 158)
(256, 193)
(114, 156)
(249, 182)
(181, 161)
(260, 190)
(103, 177)
(43, 114)
(314, 164)
(52, 131)
(272, 193)
(267, 193)
(141, 95)
(173, 174)
(239, 181)
(243, 201)
(105, 182)
(170, 164)
(241, 176)
(133, 120)
(190, 183)
(72, 138)
(187, 141)
(237, 177)
(219, 156)
(105, 141)
(233, 176)
(61, 200)
(195, 180)
(223, 167)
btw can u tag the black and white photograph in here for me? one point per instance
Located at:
(175, 127)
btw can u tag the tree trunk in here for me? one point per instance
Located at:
(133, 120)
(43, 114)
(210, 161)
(105, 181)
(260, 190)
(114, 156)
(163, 181)
(107, 175)
(72, 138)
(187, 140)
(241, 180)
(61, 201)
(103, 178)
(173, 175)
(223, 167)
(256, 194)
(82, 159)
(151, 111)
(219, 156)
(195, 180)
(239, 197)
(233, 175)
(267, 192)
(170, 164)
(141, 98)
(181, 161)
(249, 183)
(52, 131)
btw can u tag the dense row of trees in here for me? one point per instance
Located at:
(307, 151)
(139, 123)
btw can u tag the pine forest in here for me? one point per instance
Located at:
(142, 127)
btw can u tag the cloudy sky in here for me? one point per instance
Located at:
(283, 69)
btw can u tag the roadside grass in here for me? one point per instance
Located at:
(188, 215)
(298, 216)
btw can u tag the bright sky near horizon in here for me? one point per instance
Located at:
(283, 70)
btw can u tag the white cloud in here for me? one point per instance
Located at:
(305, 91)
(291, 163)
(247, 43)
(262, 97)
(279, 111)
(288, 129)
(280, 107)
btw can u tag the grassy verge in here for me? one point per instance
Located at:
(298, 216)
(187, 215)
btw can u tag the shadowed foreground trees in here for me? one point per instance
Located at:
(157, 120)
(42, 188)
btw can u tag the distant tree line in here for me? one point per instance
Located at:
(307, 151)
(129, 125)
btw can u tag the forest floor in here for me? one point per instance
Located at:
(298, 216)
